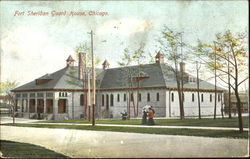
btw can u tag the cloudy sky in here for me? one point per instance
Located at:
(35, 45)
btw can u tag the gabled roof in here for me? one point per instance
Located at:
(152, 75)
(66, 78)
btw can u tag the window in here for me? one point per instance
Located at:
(192, 97)
(25, 95)
(107, 101)
(49, 94)
(131, 97)
(210, 97)
(32, 105)
(172, 95)
(102, 99)
(81, 100)
(202, 99)
(63, 94)
(219, 97)
(32, 95)
(148, 97)
(62, 106)
(157, 97)
(124, 97)
(118, 97)
(139, 97)
(40, 95)
(183, 97)
(49, 103)
(111, 100)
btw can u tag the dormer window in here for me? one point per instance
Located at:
(192, 79)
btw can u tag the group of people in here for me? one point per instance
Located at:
(148, 115)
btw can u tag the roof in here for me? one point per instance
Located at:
(66, 78)
(156, 75)
(150, 75)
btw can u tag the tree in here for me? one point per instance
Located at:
(138, 57)
(126, 61)
(172, 41)
(230, 48)
(6, 88)
(134, 73)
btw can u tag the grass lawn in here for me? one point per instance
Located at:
(207, 122)
(165, 131)
(12, 149)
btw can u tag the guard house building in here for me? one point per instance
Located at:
(60, 95)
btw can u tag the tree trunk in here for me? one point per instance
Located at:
(239, 110)
(198, 91)
(215, 82)
(229, 89)
(179, 92)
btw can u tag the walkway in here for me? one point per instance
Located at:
(5, 120)
(150, 126)
(104, 144)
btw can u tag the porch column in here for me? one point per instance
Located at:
(28, 109)
(21, 105)
(35, 102)
(55, 106)
(44, 103)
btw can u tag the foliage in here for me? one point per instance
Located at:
(7, 86)
(227, 55)
(84, 48)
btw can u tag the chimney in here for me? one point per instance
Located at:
(159, 58)
(182, 67)
(81, 65)
(70, 61)
(105, 65)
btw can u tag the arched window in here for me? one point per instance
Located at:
(192, 97)
(111, 100)
(118, 97)
(202, 98)
(211, 98)
(81, 100)
(102, 99)
(172, 95)
(131, 97)
(148, 97)
(157, 97)
(139, 97)
(124, 97)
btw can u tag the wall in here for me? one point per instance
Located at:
(191, 107)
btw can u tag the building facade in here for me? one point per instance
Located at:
(64, 94)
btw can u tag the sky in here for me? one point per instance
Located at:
(33, 45)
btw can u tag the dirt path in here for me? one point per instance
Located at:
(83, 143)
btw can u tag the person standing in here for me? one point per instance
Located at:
(151, 113)
(144, 117)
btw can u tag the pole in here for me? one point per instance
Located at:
(215, 81)
(93, 80)
(88, 100)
